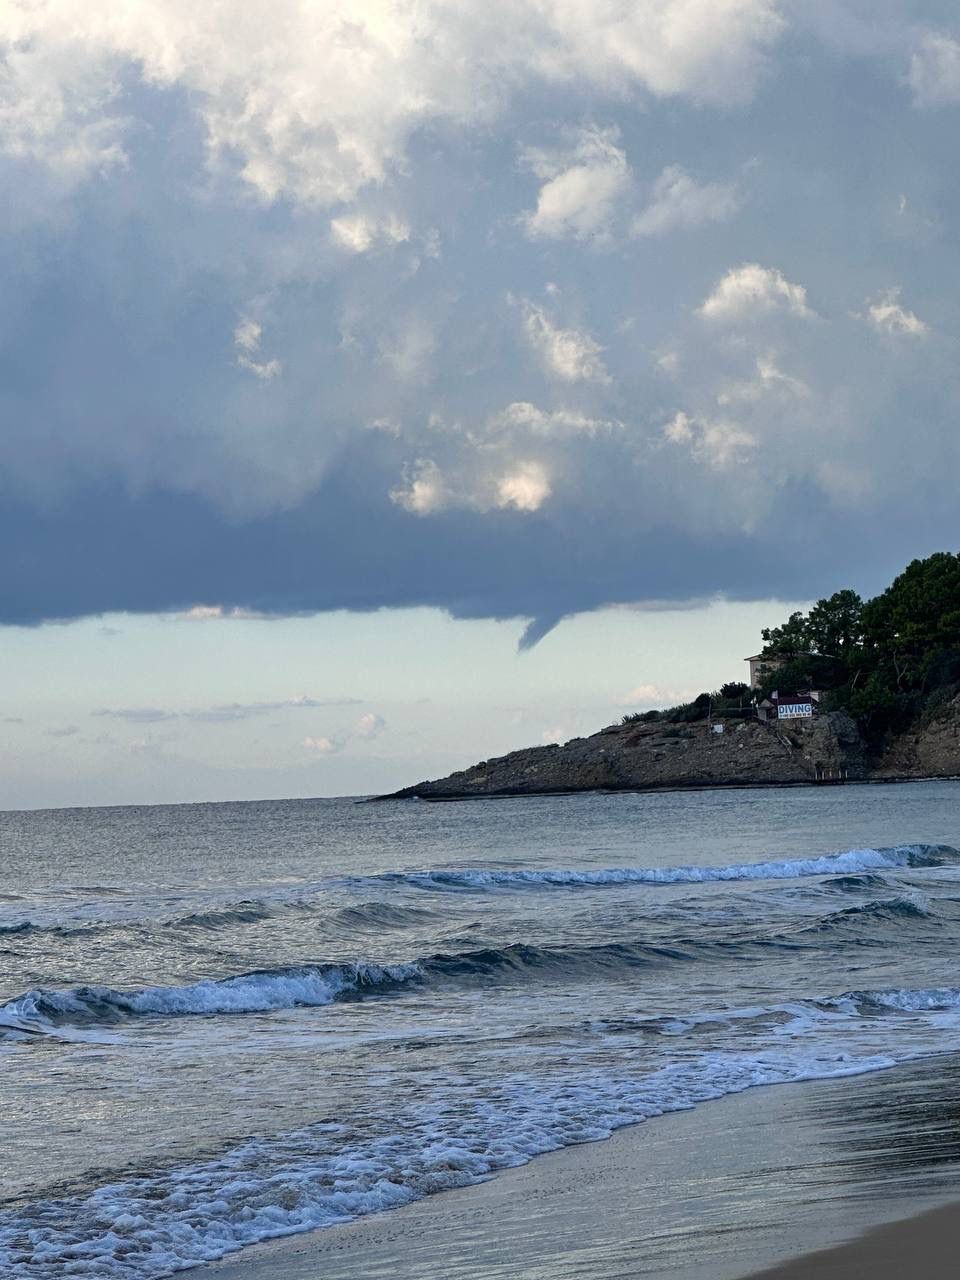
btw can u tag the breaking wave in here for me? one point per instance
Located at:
(152, 1224)
(257, 992)
(851, 861)
(263, 991)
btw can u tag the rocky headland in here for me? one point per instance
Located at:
(637, 756)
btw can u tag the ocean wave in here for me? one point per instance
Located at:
(153, 1224)
(856, 883)
(924, 1000)
(888, 910)
(256, 992)
(850, 861)
(316, 985)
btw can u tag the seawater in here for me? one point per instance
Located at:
(224, 1023)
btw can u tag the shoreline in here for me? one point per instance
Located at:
(667, 789)
(930, 1240)
(773, 1184)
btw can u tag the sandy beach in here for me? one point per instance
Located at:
(763, 1179)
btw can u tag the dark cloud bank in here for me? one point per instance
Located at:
(630, 337)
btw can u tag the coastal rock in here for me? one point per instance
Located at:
(930, 749)
(659, 756)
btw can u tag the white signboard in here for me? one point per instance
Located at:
(794, 710)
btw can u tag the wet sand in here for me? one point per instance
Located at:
(927, 1246)
(718, 1193)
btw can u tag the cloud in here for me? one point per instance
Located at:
(526, 418)
(314, 103)
(323, 746)
(67, 731)
(582, 185)
(219, 613)
(769, 381)
(137, 715)
(369, 726)
(717, 444)
(479, 485)
(246, 338)
(653, 695)
(423, 490)
(359, 232)
(753, 290)
(888, 316)
(526, 487)
(935, 71)
(184, 190)
(222, 713)
(679, 203)
(570, 355)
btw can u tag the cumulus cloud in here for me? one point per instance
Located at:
(678, 202)
(315, 102)
(479, 484)
(57, 108)
(194, 199)
(369, 726)
(752, 290)
(423, 490)
(581, 186)
(571, 355)
(359, 232)
(526, 487)
(887, 315)
(935, 71)
(323, 746)
(716, 443)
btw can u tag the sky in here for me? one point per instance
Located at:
(389, 384)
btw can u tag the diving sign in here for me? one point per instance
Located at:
(794, 710)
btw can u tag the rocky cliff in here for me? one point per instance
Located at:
(931, 749)
(638, 756)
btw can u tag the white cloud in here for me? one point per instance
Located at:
(424, 490)
(246, 338)
(710, 49)
(526, 487)
(754, 290)
(717, 444)
(314, 102)
(323, 746)
(581, 188)
(935, 71)
(888, 316)
(678, 202)
(521, 416)
(58, 108)
(369, 726)
(568, 354)
(360, 233)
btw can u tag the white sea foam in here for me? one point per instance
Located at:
(149, 1226)
(847, 862)
(247, 993)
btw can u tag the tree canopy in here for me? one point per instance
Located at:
(884, 659)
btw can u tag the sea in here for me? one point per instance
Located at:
(225, 1023)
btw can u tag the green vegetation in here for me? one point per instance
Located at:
(890, 661)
